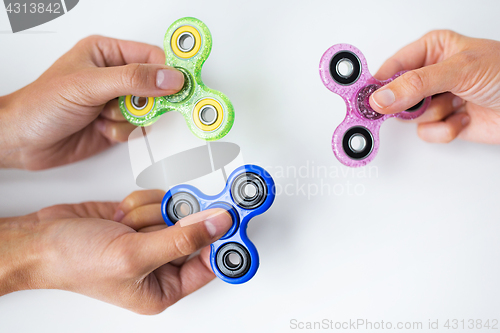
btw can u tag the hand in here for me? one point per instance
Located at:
(138, 263)
(464, 71)
(71, 111)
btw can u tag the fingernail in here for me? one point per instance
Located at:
(217, 221)
(169, 79)
(465, 120)
(457, 102)
(384, 98)
(119, 215)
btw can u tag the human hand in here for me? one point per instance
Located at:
(464, 71)
(71, 112)
(137, 263)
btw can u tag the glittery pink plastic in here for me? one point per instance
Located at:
(359, 112)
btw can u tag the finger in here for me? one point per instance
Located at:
(196, 272)
(114, 131)
(111, 111)
(101, 210)
(144, 216)
(441, 107)
(425, 51)
(152, 228)
(100, 85)
(179, 261)
(413, 86)
(409, 57)
(155, 249)
(108, 52)
(137, 199)
(444, 131)
(186, 279)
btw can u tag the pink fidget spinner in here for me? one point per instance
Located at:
(344, 71)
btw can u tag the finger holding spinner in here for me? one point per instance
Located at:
(249, 192)
(416, 111)
(440, 107)
(111, 111)
(138, 199)
(234, 258)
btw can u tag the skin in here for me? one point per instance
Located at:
(137, 263)
(71, 111)
(464, 71)
(121, 253)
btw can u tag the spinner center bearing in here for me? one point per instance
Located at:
(364, 104)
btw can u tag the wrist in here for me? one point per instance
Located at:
(20, 256)
(9, 142)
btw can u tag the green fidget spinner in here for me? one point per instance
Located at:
(208, 113)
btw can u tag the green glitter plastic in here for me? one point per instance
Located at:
(194, 89)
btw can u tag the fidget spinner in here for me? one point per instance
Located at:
(344, 71)
(249, 192)
(209, 113)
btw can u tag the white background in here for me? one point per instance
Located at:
(420, 243)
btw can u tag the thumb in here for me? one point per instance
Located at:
(413, 86)
(187, 236)
(148, 80)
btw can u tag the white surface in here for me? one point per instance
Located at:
(420, 243)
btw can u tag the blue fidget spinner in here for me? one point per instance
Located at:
(249, 192)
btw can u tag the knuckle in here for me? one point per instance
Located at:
(185, 244)
(444, 33)
(414, 81)
(134, 217)
(432, 34)
(89, 40)
(449, 35)
(134, 75)
(131, 201)
(48, 211)
(440, 35)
